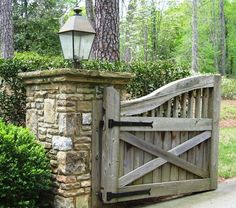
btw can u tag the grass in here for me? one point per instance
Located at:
(227, 153)
(228, 111)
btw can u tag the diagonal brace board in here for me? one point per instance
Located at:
(167, 156)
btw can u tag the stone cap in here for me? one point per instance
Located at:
(76, 75)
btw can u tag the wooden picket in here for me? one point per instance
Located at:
(174, 153)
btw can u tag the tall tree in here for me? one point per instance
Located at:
(107, 30)
(6, 29)
(129, 27)
(195, 36)
(222, 39)
(90, 11)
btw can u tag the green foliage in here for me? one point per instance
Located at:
(149, 75)
(229, 88)
(24, 167)
(227, 153)
(12, 93)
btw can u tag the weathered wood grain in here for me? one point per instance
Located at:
(162, 95)
(148, 167)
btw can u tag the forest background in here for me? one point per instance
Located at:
(198, 33)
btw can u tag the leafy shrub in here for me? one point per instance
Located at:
(24, 167)
(229, 88)
(12, 90)
(149, 75)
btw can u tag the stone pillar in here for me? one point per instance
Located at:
(59, 113)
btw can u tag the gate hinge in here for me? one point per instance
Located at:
(112, 123)
(111, 195)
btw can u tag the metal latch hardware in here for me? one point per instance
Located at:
(112, 123)
(111, 195)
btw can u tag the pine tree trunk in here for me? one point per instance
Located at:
(6, 29)
(107, 30)
(222, 39)
(90, 11)
(194, 36)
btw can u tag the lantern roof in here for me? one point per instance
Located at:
(77, 23)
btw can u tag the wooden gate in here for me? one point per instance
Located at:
(162, 144)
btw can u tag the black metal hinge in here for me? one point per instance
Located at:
(112, 123)
(111, 195)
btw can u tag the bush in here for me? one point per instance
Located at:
(229, 88)
(149, 75)
(24, 167)
(12, 90)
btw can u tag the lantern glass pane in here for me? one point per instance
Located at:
(66, 44)
(83, 44)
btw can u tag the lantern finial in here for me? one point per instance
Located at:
(77, 11)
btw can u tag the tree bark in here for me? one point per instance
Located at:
(222, 39)
(90, 11)
(107, 30)
(194, 36)
(6, 29)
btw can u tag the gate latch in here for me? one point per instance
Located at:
(111, 195)
(112, 123)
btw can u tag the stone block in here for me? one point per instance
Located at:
(62, 202)
(73, 162)
(68, 124)
(32, 121)
(61, 143)
(67, 88)
(49, 110)
(86, 183)
(86, 118)
(71, 193)
(84, 106)
(66, 179)
(82, 201)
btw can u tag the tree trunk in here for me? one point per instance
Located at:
(129, 19)
(194, 36)
(154, 31)
(222, 39)
(90, 11)
(6, 29)
(107, 30)
(214, 35)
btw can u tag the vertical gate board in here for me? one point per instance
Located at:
(174, 172)
(110, 140)
(128, 158)
(183, 135)
(198, 110)
(215, 112)
(205, 99)
(148, 136)
(166, 145)
(191, 153)
(96, 153)
(157, 142)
